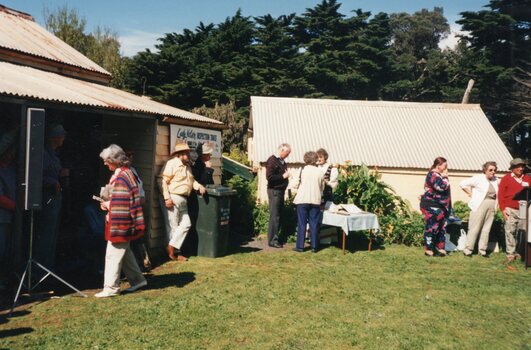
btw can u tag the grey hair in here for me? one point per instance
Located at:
(310, 158)
(284, 146)
(115, 154)
(487, 164)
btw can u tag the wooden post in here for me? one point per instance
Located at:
(466, 96)
(344, 239)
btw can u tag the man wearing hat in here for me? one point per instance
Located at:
(176, 182)
(202, 170)
(510, 185)
(47, 219)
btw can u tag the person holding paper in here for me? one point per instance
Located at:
(510, 185)
(124, 223)
(482, 190)
(277, 175)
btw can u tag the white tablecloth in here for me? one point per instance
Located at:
(351, 222)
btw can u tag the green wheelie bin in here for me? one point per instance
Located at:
(213, 221)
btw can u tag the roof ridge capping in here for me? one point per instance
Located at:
(16, 13)
(400, 104)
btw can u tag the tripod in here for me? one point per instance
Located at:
(28, 271)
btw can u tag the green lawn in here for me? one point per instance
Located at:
(387, 299)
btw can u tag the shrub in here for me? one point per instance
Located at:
(261, 218)
(364, 188)
(461, 210)
(242, 205)
(288, 222)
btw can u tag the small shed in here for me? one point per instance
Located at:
(400, 139)
(38, 70)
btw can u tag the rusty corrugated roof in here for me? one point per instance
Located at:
(27, 82)
(377, 133)
(18, 32)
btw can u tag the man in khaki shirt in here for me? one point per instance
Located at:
(176, 183)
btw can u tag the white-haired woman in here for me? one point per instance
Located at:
(124, 223)
(482, 190)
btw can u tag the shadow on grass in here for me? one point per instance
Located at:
(15, 331)
(357, 241)
(178, 280)
(239, 244)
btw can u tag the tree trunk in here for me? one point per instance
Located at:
(466, 96)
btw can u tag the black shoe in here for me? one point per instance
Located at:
(467, 255)
(275, 245)
(298, 250)
(485, 255)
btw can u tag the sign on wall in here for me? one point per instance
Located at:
(196, 136)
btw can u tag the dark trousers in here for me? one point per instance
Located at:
(46, 228)
(308, 214)
(276, 203)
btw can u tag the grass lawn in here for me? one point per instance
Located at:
(387, 299)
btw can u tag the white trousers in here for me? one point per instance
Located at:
(118, 257)
(179, 220)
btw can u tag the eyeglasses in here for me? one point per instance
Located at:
(491, 170)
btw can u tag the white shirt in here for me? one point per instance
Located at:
(334, 174)
(479, 185)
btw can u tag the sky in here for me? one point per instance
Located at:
(140, 23)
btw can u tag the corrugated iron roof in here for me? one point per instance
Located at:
(27, 82)
(20, 33)
(377, 133)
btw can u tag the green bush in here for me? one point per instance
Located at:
(288, 224)
(408, 230)
(261, 218)
(242, 205)
(398, 223)
(461, 210)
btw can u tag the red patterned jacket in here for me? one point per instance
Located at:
(126, 218)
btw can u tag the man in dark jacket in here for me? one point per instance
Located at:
(277, 175)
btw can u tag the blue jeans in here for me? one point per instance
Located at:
(308, 214)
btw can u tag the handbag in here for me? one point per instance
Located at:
(461, 242)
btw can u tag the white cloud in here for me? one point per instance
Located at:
(136, 40)
(451, 41)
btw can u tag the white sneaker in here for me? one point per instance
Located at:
(136, 287)
(106, 293)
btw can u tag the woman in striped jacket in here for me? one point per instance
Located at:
(124, 223)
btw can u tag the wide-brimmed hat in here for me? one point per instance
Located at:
(55, 130)
(207, 148)
(181, 146)
(517, 161)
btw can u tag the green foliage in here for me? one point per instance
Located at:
(102, 46)
(261, 218)
(403, 229)
(242, 220)
(461, 210)
(226, 113)
(360, 186)
(238, 155)
(364, 188)
(288, 223)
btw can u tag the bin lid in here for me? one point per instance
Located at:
(219, 190)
